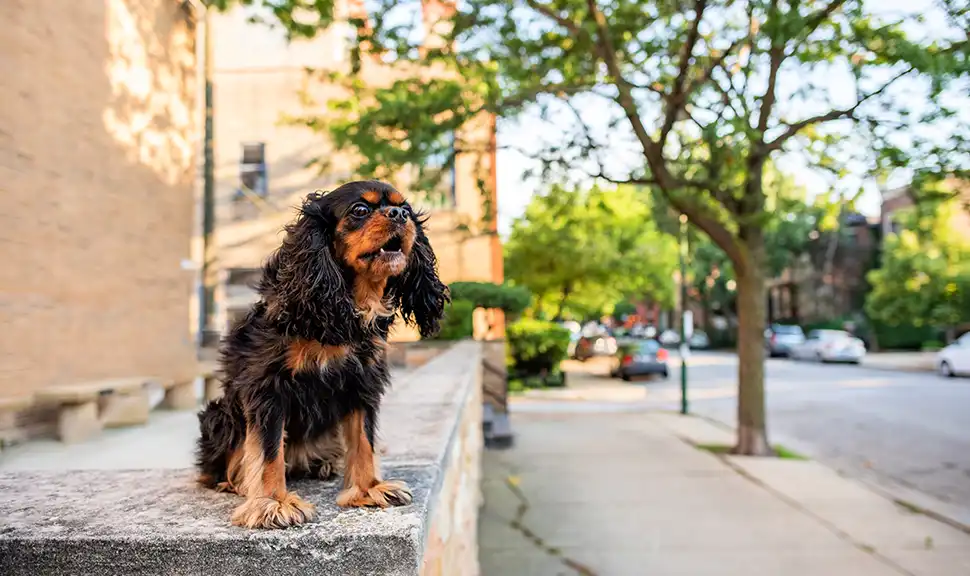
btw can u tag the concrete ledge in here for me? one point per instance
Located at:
(158, 522)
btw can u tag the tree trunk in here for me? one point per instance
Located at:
(752, 431)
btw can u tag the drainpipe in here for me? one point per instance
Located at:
(204, 55)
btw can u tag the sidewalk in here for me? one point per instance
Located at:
(906, 361)
(627, 493)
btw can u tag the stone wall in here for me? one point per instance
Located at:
(98, 137)
(452, 541)
(143, 522)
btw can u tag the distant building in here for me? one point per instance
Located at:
(99, 134)
(262, 165)
(812, 289)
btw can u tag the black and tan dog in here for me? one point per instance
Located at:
(305, 371)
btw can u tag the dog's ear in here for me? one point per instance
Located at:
(418, 292)
(305, 290)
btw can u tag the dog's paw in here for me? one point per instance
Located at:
(225, 487)
(266, 512)
(327, 469)
(382, 494)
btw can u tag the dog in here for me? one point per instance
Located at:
(305, 370)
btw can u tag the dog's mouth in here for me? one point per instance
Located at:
(393, 247)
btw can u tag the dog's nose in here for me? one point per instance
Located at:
(397, 214)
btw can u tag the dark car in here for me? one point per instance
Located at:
(780, 339)
(640, 358)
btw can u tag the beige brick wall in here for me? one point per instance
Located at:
(258, 82)
(98, 133)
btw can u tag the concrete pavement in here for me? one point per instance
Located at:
(907, 361)
(625, 492)
(904, 433)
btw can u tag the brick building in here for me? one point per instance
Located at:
(261, 164)
(98, 145)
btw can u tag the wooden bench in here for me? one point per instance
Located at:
(9, 407)
(88, 407)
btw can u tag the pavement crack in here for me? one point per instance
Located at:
(518, 524)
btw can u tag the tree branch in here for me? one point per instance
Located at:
(776, 55)
(550, 12)
(625, 99)
(793, 129)
(717, 61)
(678, 95)
(815, 20)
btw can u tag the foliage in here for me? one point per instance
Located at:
(536, 347)
(510, 299)
(623, 308)
(457, 322)
(788, 236)
(931, 346)
(581, 250)
(692, 97)
(925, 272)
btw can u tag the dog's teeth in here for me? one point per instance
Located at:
(382, 250)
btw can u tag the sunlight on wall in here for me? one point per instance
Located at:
(153, 88)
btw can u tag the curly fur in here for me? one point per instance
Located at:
(309, 359)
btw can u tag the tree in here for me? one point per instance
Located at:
(925, 274)
(587, 248)
(698, 96)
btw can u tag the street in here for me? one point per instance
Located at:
(901, 430)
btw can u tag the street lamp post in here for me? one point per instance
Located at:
(683, 314)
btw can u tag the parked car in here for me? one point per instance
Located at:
(830, 346)
(599, 345)
(640, 358)
(781, 338)
(699, 340)
(669, 338)
(954, 359)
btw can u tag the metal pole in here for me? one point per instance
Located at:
(684, 347)
(206, 301)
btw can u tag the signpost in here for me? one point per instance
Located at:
(686, 317)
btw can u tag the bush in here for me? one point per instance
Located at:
(536, 347)
(510, 299)
(457, 322)
(903, 336)
(932, 346)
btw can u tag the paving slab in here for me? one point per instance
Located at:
(617, 493)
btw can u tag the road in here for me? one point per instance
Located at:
(902, 430)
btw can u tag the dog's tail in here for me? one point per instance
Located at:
(221, 434)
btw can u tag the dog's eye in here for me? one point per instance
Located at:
(360, 210)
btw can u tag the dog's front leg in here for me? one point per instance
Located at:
(263, 477)
(362, 480)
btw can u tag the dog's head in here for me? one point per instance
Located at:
(351, 249)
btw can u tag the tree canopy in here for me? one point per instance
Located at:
(925, 274)
(588, 248)
(691, 97)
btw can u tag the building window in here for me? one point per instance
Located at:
(252, 170)
(445, 195)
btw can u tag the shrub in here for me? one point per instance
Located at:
(903, 336)
(510, 299)
(536, 347)
(457, 322)
(932, 346)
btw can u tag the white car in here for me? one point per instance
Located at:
(669, 338)
(955, 358)
(830, 346)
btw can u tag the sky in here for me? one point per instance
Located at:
(515, 191)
